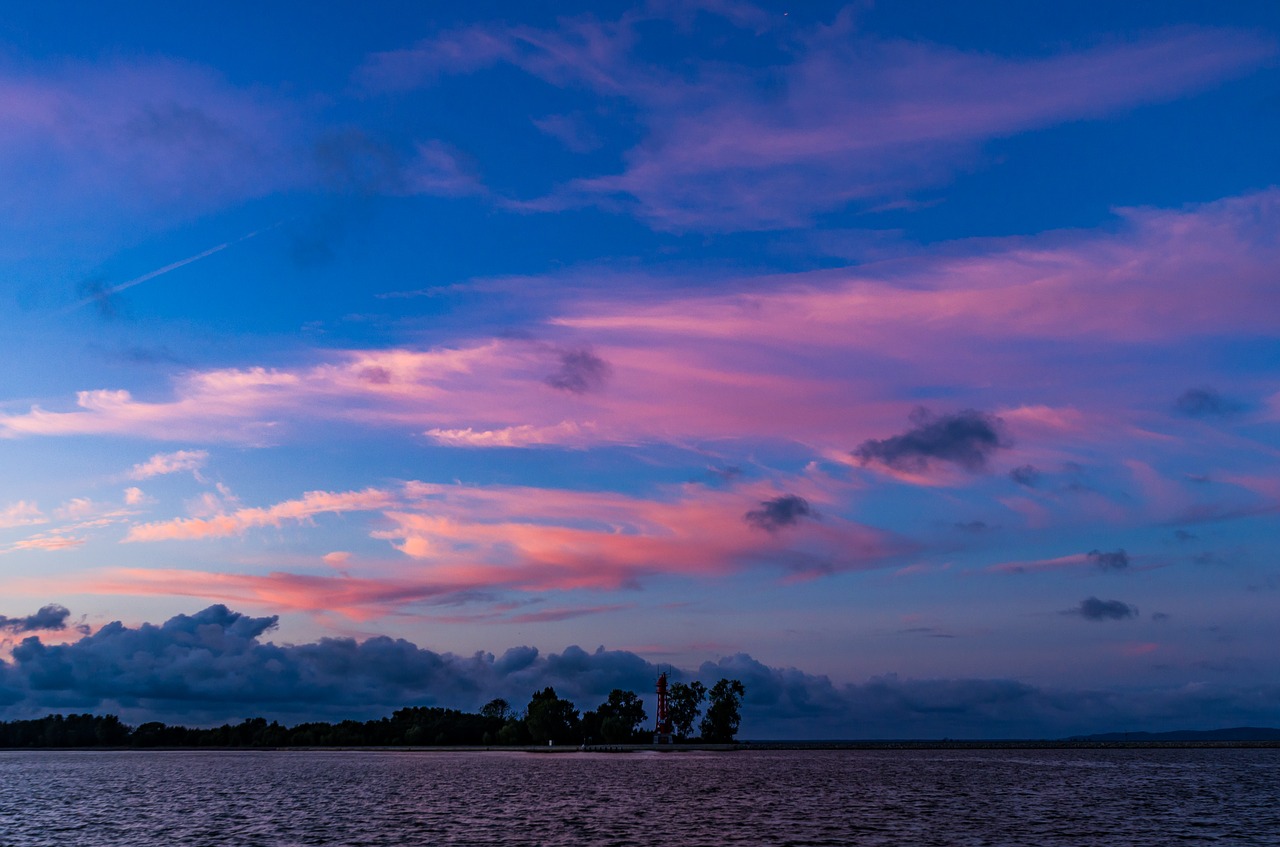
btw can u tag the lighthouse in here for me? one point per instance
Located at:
(662, 733)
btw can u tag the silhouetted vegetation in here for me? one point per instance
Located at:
(720, 723)
(683, 704)
(551, 719)
(620, 719)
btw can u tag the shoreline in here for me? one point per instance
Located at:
(744, 746)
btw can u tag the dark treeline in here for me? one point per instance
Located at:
(548, 718)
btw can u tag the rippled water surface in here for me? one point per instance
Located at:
(1127, 797)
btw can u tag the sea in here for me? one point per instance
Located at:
(751, 797)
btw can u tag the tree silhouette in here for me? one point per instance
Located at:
(684, 702)
(720, 723)
(549, 718)
(620, 717)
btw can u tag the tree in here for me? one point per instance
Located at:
(513, 732)
(496, 708)
(720, 723)
(620, 717)
(551, 719)
(683, 704)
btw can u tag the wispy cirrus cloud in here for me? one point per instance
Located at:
(308, 506)
(140, 137)
(46, 541)
(849, 117)
(1113, 562)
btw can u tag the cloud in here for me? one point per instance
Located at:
(48, 618)
(440, 171)
(215, 666)
(457, 51)
(544, 538)
(1206, 403)
(21, 513)
(1116, 560)
(1093, 609)
(580, 371)
(311, 503)
(690, 365)
(149, 138)
(966, 439)
(167, 463)
(779, 512)
(458, 539)
(572, 131)
(847, 117)
(565, 434)
(1025, 475)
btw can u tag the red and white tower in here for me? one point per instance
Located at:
(663, 733)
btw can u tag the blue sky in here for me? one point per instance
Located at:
(839, 347)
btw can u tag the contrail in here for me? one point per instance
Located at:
(138, 280)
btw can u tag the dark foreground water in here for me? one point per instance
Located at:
(1051, 797)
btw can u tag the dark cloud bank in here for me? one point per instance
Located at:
(214, 666)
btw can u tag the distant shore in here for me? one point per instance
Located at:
(888, 746)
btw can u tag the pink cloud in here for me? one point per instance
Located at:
(21, 513)
(459, 540)
(812, 358)
(46, 541)
(1145, 284)
(167, 463)
(358, 598)
(537, 539)
(1077, 560)
(525, 435)
(235, 523)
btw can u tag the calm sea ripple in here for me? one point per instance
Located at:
(288, 798)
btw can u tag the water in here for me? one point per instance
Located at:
(288, 798)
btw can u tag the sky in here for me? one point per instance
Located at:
(916, 363)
